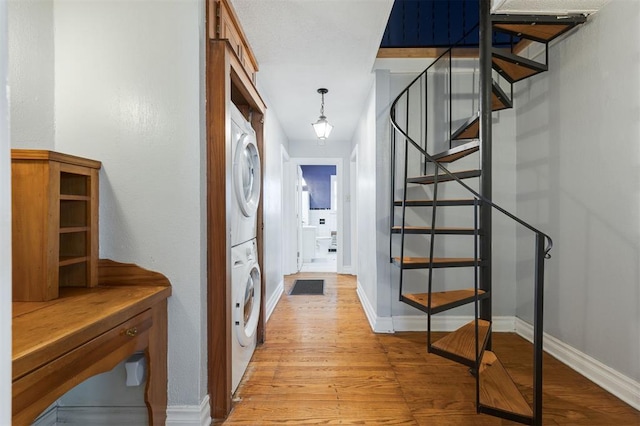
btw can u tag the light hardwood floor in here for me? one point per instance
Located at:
(322, 364)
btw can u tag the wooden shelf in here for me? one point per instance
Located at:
(55, 223)
(462, 342)
(72, 260)
(68, 197)
(497, 389)
(72, 229)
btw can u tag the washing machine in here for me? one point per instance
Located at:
(246, 177)
(245, 307)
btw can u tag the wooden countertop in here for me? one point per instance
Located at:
(46, 330)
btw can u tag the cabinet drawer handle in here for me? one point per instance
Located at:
(131, 332)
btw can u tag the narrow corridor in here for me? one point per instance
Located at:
(322, 364)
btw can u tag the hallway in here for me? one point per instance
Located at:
(322, 364)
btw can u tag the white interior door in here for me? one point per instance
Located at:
(299, 209)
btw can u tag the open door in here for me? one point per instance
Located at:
(299, 218)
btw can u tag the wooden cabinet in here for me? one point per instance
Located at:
(55, 223)
(228, 28)
(58, 344)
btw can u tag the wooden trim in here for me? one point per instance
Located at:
(156, 355)
(230, 64)
(117, 274)
(213, 32)
(244, 83)
(257, 122)
(218, 245)
(424, 52)
(40, 154)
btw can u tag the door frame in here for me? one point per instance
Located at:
(227, 80)
(290, 201)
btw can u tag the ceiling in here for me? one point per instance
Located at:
(548, 7)
(302, 45)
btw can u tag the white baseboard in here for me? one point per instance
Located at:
(347, 270)
(274, 299)
(188, 415)
(623, 387)
(448, 323)
(177, 415)
(102, 416)
(378, 324)
(48, 417)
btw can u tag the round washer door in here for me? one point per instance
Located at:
(247, 307)
(246, 174)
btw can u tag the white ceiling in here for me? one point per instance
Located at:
(548, 7)
(302, 45)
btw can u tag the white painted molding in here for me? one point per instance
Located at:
(102, 416)
(623, 387)
(378, 324)
(448, 323)
(47, 418)
(347, 270)
(340, 208)
(187, 415)
(274, 299)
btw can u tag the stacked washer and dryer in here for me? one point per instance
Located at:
(245, 271)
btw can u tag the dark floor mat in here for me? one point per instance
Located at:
(307, 287)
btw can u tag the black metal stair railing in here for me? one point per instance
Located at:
(419, 140)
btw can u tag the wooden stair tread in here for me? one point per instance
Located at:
(513, 67)
(429, 179)
(438, 262)
(469, 130)
(442, 299)
(427, 230)
(497, 389)
(440, 203)
(462, 342)
(542, 33)
(458, 152)
(499, 99)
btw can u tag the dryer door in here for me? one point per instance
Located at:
(247, 307)
(246, 174)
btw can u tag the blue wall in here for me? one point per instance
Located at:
(318, 180)
(434, 23)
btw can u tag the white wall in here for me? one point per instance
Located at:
(365, 139)
(128, 92)
(274, 219)
(386, 286)
(31, 73)
(5, 229)
(578, 128)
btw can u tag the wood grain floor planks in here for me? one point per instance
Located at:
(322, 364)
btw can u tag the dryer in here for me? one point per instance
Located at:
(246, 177)
(245, 307)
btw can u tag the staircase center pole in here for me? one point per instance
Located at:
(485, 149)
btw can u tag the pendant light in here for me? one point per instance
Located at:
(322, 126)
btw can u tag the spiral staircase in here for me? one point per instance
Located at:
(433, 144)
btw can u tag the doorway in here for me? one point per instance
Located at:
(315, 235)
